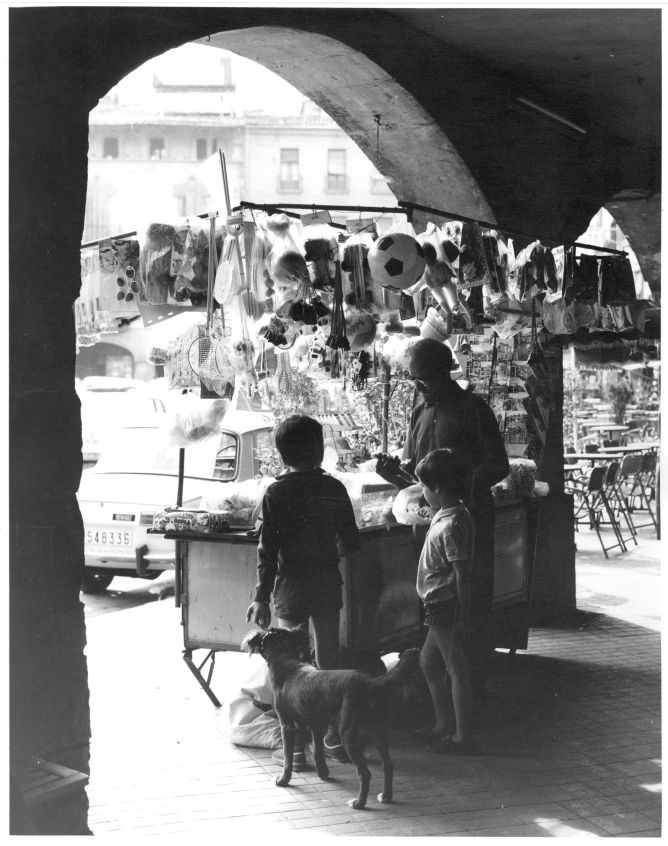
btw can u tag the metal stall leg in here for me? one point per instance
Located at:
(196, 671)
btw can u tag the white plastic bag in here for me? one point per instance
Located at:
(247, 704)
(407, 508)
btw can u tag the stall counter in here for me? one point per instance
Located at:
(216, 577)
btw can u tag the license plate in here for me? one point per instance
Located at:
(113, 538)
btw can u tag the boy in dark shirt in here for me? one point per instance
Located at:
(304, 512)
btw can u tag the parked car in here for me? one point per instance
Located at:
(106, 403)
(137, 475)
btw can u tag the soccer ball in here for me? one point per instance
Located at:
(396, 261)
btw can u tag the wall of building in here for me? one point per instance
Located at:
(132, 189)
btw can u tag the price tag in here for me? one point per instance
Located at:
(360, 224)
(316, 217)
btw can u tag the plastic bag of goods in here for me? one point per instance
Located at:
(408, 508)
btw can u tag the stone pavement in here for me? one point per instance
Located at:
(569, 733)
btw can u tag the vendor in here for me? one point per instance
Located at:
(446, 415)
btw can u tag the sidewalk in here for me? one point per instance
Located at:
(569, 731)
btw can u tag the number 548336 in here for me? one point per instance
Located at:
(108, 537)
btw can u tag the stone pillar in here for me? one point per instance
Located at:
(49, 709)
(553, 594)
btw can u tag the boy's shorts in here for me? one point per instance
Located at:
(442, 615)
(299, 600)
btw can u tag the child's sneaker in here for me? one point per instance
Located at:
(298, 759)
(334, 748)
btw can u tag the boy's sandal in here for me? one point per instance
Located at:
(427, 734)
(445, 745)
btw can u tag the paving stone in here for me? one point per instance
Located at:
(570, 732)
(628, 823)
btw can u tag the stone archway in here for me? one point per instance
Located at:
(380, 115)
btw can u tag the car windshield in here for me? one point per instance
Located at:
(146, 450)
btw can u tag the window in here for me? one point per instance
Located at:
(289, 174)
(156, 149)
(110, 148)
(379, 185)
(266, 460)
(226, 458)
(190, 197)
(214, 146)
(201, 149)
(337, 180)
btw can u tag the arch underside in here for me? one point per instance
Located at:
(405, 143)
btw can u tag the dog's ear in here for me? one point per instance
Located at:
(251, 643)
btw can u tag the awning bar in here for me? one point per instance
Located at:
(554, 242)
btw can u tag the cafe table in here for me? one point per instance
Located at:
(606, 428)
(638, 446)
(591, 456)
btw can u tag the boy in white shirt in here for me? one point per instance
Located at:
(444, 586)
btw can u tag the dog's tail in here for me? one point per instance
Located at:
(402, 671)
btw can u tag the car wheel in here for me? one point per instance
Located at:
(95, 582)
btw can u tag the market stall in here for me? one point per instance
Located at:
(312, 309)
(381, 612)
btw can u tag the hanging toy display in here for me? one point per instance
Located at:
(285, 262)
(300, 354)
(438, 278)
(337, 339)
(396, 261)
(208, 355)
(437, 325)
(307, 308)
(358, 284)
(321, 252)
(360, 327)
(191, 277)
(160, 255)
(360, 367)
(275, 332)
(260, 281)
(252, 303)
(284, 374)
(288, 271)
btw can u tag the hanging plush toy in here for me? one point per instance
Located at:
(288, 271)
(321, 252)
(360, 327)
(360, 366)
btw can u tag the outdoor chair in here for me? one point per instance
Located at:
(592, 505)
(643, 488)
(591, 447)
(616, 478)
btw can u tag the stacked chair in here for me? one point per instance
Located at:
(616, 496)
(640, 489)
(591, 493)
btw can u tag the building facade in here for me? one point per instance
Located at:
(147, 161)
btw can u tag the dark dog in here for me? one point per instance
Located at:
(306, 697)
